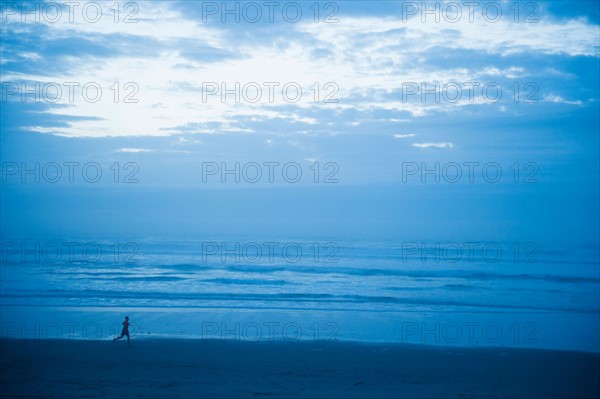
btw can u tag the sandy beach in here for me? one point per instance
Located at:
(171, 368)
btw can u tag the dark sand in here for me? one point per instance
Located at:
(215, 369)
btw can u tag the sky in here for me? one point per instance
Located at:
(364, 120)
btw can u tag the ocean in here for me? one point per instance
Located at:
(467, 293)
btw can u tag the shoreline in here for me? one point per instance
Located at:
(186, 368)
(558, 331)
(157, 339)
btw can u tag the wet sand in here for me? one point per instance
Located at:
(171, 368)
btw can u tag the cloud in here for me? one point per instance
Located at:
(553, 98)
(574, 37)
(178, 151)
(404, 136)
(367, 58)
(184, 141)
(434, 145)
(134, 150)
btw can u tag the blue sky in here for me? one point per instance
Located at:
(369, 57)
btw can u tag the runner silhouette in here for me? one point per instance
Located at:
(125, 331)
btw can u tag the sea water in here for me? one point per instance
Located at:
(465, 293)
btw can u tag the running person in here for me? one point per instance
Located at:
(125, 330)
